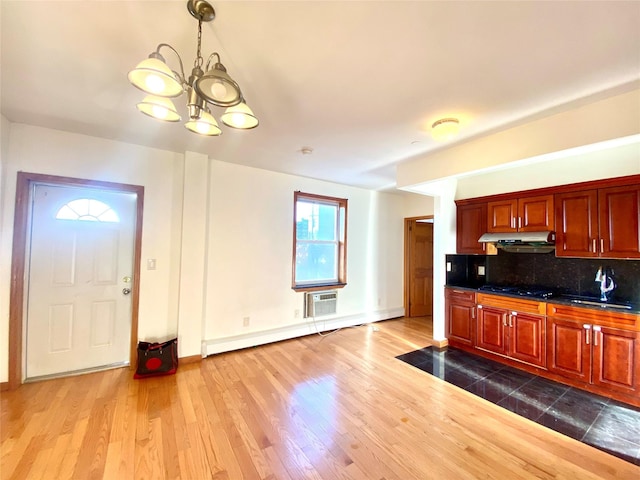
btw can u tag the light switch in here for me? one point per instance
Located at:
(480, 270)
(151, 263)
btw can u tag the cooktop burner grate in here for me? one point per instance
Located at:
(522, 291)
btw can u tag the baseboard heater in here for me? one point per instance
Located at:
(318, 304)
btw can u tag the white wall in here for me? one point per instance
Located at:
(221, 235)
(250, 257)
(5, 249)
(602, 121)
(615, 162)
(40, 150)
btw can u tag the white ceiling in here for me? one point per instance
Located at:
(359, 82)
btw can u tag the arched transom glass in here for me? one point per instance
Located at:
(87, 209)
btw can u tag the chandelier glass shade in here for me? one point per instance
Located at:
(216, 87)
(239, 116)
(160, 108)
(205, 124)
(153, 76)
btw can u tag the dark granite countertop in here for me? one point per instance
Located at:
(581, 301)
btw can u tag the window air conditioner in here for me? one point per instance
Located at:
(317, 304)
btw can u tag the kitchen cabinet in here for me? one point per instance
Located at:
(512, 327)
(601, 349)
(471, 223)
(528, 214)
(460, 314)
(599, 223)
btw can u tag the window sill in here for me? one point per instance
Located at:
(313, 288)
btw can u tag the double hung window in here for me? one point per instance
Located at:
(320, 241)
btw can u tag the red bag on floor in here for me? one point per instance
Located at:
(157, 358)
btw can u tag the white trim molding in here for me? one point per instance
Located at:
(323, 324)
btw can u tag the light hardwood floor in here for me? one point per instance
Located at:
(334, 407)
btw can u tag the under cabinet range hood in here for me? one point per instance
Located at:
(522, 242)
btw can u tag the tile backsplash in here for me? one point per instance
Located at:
(564, 275)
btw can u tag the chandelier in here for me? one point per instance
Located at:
(213, 85)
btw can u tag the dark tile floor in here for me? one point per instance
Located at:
(598, 421)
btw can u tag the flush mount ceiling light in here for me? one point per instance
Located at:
(213, 85)
(445, 129)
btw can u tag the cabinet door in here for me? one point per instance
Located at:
(460, 322)
(502, 216)
(616, 359)
(577, 224)
(527, 338)
(619, 221)
(569, 349)
(535, 214)
(471, 224)
(491, 326)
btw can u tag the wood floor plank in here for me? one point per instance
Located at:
(334, 407)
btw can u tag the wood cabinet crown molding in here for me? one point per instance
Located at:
(572, 187)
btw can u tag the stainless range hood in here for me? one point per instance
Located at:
(522, 242)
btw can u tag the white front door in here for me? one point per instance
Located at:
(79, 279)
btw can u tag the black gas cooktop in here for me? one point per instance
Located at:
(534, 292)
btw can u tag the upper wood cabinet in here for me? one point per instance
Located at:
(599, 223)
(471, 223)
(528, 214)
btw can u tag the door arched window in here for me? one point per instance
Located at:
(87, 209)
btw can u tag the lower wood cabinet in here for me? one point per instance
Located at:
(593, 349)
(460, 307)
(517, 334)
(599, 349)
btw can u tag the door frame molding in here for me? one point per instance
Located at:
(21, 221)
(408, 222)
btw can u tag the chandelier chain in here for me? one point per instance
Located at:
(198, 61)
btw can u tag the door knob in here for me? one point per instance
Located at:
(126, 291)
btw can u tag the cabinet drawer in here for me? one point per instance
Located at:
(627, 321)
(460, 296)
(512, 303)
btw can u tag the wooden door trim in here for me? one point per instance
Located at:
(408, 221)
(24, 183)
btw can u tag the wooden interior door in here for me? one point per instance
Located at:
(420, 268)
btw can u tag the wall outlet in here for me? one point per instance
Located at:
(246, 321)
(481, 270)
(448, 266)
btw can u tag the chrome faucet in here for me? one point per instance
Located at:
(607, 285)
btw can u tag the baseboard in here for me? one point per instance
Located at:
(4, 386)
(440, 343)
(190, 359)
(305, 327)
